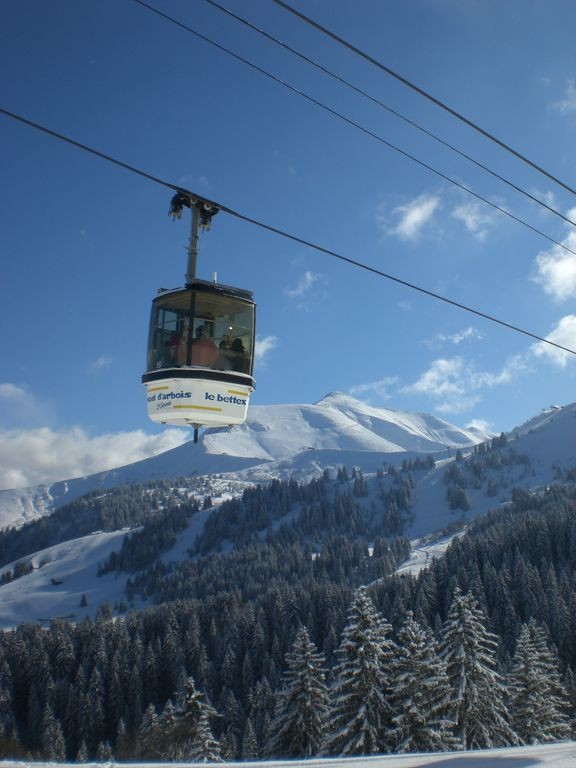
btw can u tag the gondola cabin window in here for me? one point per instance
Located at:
(205, 328)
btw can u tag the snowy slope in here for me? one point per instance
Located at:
(338, 422)
(548, 441)
(550, 435)
(541, 756)
(274, 440)
(62, 575)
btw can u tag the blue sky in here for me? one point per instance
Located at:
(86, 244)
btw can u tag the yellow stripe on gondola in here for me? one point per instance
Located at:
(237, 392)
(157, 389)
(196, 408)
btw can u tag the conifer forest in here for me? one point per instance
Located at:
(286, 632)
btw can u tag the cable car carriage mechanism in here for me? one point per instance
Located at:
(200, 343)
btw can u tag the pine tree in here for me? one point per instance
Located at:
(148, 734)
(185, 728)
(302, 704)
(477, 691)
(104, 752)
(538, 700)
(360, 716)
(82, 756)
(229, 747)
(165, 743)
(94, 729)
(422, 721)
(261, 704)
(123, 744)
(249, 743)
(52, 744)
(203, 746)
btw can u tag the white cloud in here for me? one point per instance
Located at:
(34, 456)
(548, 197)
(263, 347)
(412, 217)
(481, 424)
(12, 392)
(101, 362)
(474, 217)
(514, 367)
(303, 286)
(557, 268)
(564, 334)
(456, 384)
(444, 377)
(468, 334)
(408, 221)
(568, 104)
(20, 408)
(379, 388)
(459, 404)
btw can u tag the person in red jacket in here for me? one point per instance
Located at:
(204, 351)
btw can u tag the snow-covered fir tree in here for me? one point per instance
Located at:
(302, 703)
(538, 700)
(147, 738)
(166, 746)
(104, 753)
(204, 748)
(249, 743)
(261, 702)
(122, 745)
(82, 756)
(360, 715)
(182, 729)
(51, 737)
(477, 691)
(189, 731)
(422, 719)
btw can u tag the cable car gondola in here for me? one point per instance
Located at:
(200, 344)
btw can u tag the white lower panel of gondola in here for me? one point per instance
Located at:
(197, 401)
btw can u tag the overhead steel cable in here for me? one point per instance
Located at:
(86, 148)
(280, 232)
(389, 109)
(423, 93)
(354, 124)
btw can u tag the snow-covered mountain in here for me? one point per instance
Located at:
(276, 440)
(336, 432)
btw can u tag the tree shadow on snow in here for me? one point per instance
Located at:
(481, 761)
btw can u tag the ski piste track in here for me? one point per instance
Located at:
(561, 755)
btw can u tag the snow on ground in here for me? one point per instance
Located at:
(62, 575)
(548, 440)
(548, 756)
(22, 505)
(65, 572)
(423, 552)
(273, 440)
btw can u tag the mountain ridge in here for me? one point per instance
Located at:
(385, 495)
(274, 441)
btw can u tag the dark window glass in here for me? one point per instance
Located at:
(206, 329)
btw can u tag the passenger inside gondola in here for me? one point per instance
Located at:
(204, 351)
(237, 356)
(173, 349)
